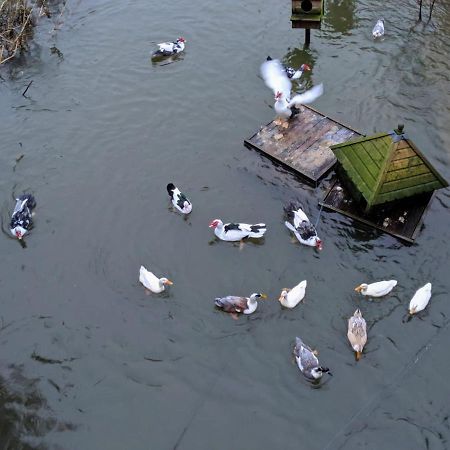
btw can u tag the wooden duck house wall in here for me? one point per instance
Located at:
(306, 13)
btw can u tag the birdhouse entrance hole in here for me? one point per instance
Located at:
(306, 5)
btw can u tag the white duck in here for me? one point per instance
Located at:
(233, 304)
(170, 48)
(152, 282)
(378, 29)
(357, 333)
(307, 361)
(179, 200)
(303, 229)
(290, 298)
(237, 231)
(276, 79)
(420, 299)
(377, 289)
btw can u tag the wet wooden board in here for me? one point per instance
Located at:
(304, 147)
(401, 219)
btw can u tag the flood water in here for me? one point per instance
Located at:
(87, 359)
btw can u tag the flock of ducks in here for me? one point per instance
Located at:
(277, 77)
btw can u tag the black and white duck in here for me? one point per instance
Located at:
(21, 219)
(179, 200)
(237, 231)
(300, 225)
(170, 48)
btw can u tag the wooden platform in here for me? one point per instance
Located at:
(304, 147)
(401, 219)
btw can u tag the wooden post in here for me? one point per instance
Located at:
(307, 36)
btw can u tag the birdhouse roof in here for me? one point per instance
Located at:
(386, 167)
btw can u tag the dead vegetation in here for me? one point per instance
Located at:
(17, 20)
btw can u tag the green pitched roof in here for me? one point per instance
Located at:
(387, 167)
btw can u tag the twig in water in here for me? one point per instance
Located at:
(25, 91)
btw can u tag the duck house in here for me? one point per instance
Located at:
(307, 13)
(384, 181)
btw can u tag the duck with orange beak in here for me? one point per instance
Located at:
(152, 282)
(357, 333)
(239, 305)
(377, 289)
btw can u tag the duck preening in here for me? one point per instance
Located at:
(290, 298)
(170, 48)
(298, 222)
(21, 219)
(357, 333)
(420, 299)
(377, 289)
(152, 282)
(291, 72)
(276, 79)
(179, 200)
(307, 361)
(237, 231)
(378, 29)
(244, 305)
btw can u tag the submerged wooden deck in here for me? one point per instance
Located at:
(304, 147)
(401, 219)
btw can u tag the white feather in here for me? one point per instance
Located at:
(275, 77)
(307, 97)
(420, 299)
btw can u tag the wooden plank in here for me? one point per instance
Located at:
(404, 163)
(406, 173)
(356, 178)
(407, 183)
(315, 134)
(414, 190)
(367, 160)
(373, 152)
(359, 167)
(402, 144)
(404, 153)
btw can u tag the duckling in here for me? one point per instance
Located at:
(357, 334)
(290, 298)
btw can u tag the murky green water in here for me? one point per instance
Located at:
(88, 361)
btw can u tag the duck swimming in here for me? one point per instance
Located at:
(244, 305)
(307, 361)
(290, 298)
(420, 299)
(300, 225)
(357, 333)
(152, 282)
(377, 289)
(21, 219)
(237, 231)
(170, 48)
(291, 72)
(179, 200)
(378, 29)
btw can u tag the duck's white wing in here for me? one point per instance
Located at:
(298, 292)
(299, 217)
(166, 46)
(275, 77)
(307, 97)
(382, 287)
(420, 299)
(378, 29)
(148, 279)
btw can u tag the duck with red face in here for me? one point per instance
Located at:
(170, 48)
(21, 219)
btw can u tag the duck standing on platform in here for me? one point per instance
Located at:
(179, 200)
(245, 305)
(357, 333)
(152, 282)
(378, 29)
(307, 361)
(303, 229)
(21, 219)
(420, 299)
(291, 72)
(290, 298)
(377, 289)
(237, 231)
(170, 48)
(276, 79)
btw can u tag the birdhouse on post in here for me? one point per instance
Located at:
(307, 13)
